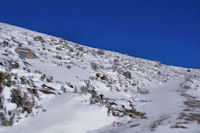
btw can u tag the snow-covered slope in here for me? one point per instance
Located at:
(121, 84)
(65, 113)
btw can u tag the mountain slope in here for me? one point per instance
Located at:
(36, 67)
(64, 113)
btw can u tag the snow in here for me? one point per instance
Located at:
(10, 106)
(103, 89)
(165, 103)
(72, 112)
(193, 87)
(163, 108)
(193, 127)
(65, 113)
(59, 73)
(164, 99)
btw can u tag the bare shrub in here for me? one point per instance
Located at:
(127, 74)
(39, 38)
(101, 52)
(49, 79)
(80, 49)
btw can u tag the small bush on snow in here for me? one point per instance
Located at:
(101, 52)
(127, 74)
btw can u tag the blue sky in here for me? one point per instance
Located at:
(161, 30)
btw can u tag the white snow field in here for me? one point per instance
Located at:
(64, 87)
(65, 114)
(163, 106)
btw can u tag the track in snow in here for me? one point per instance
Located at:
(65, 114)
(164, 107)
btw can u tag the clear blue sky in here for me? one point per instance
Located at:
(163, 30)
